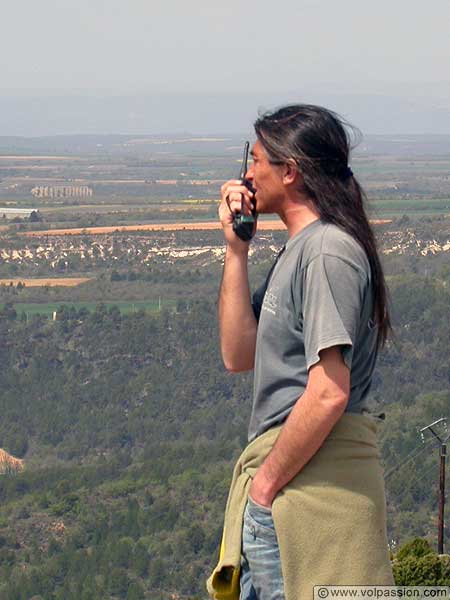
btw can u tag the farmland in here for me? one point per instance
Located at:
(153, 212)
(200, 226)
(145, 180)
(45, 281)
(52, 308)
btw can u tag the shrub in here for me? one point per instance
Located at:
(417, 564)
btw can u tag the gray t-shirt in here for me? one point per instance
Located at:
(319, 294)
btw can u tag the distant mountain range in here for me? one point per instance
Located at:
(168, 113)
(198, 144)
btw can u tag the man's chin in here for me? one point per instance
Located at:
(261, 209)
(264, 211)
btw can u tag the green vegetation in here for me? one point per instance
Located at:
(134, 465)
(124, 307)
(417, 564)
(129, 427)
(412, 207)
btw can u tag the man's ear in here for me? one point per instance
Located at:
(291, 172)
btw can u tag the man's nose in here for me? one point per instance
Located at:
(249, 174)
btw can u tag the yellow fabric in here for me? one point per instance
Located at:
(226, 585)
(330, 519)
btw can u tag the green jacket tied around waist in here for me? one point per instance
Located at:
(330, 519)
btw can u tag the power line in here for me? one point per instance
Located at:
(415, 479)
(442, 458)
(408, 458)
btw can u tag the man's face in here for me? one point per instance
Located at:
(267, 179)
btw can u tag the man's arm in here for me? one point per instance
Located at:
(308, 425)
(237, 321)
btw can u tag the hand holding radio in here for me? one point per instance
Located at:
(238, 207)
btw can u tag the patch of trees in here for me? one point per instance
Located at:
(130, 426)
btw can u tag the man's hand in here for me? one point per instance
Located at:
(261, 492)
(235, 197)
(308, 425)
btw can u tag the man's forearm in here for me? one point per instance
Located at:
(303, 433)
(237, 321)
(308, 425)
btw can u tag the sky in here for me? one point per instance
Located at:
(261, 51)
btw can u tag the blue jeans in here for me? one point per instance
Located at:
(261, 577)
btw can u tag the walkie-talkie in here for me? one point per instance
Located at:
(243, 224)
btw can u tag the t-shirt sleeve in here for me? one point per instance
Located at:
(257, 300)
(332, 296)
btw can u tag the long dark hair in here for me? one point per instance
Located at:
(319, 141)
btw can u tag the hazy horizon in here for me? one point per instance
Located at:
(99, 66)
(207, 114)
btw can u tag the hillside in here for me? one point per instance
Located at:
(129, 427)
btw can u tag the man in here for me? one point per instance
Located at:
(307, 492)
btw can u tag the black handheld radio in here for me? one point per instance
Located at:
(243, 224)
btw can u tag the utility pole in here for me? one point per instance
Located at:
(443, 455)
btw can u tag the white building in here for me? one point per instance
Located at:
(11, 213)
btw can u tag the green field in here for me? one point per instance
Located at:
(392, 207)
(153, 306)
